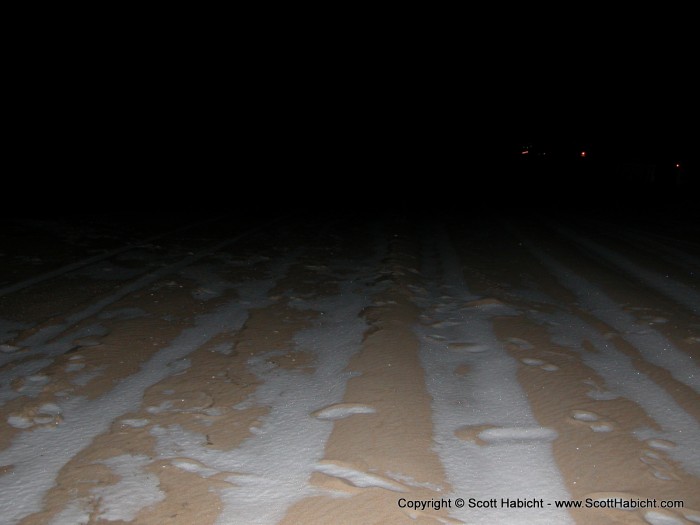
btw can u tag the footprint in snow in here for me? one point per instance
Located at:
(197, 467)
(507, 435)
(517, 343)
(351, 476)
(342, 410)
(75, 363)
(540, 364)
(495, 435)
(194, 401)
(654, 459)
(30, 385)
(661, 444)
(591, 420)
(658, 466)
(599, 393)
(46, 416)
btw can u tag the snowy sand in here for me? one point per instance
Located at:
(389, 372)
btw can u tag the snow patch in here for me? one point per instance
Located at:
(517, 434)
(20, 422)
(135, 423)
(342, 410)
(134, 491)
(358, 478)
(75, 513)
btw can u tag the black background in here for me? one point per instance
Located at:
(169, 119)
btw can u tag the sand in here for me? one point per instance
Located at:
(338, 371)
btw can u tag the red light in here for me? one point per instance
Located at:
(583, 153)
(524, 152)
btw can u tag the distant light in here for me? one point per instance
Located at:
(525, 152)
(583, 154)
(678, 165)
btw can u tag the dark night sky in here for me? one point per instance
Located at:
(289, 137)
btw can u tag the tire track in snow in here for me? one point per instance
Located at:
(38, 455)
(660, 248)
(276, 462)
(90, 507)
(97, 258)
(617, 368)
(652, 345)
(46, 334)
(42, 346)
(672, 289)
(386, 452)
(595, 424)
(515, 459)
